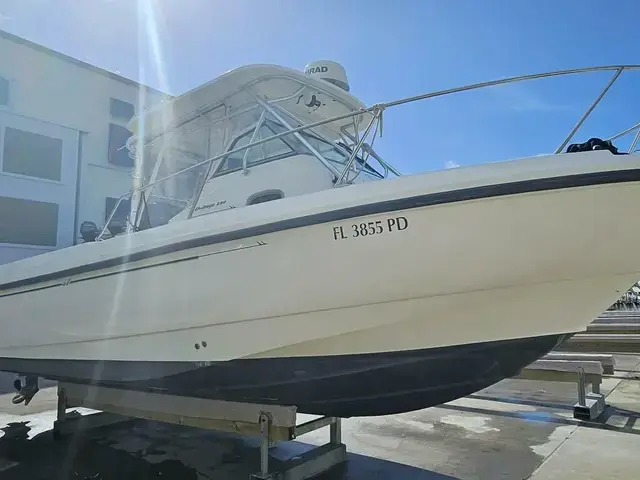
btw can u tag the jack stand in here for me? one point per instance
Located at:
(264, 421)
(590, 405)
(310, 463)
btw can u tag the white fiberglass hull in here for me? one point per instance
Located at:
(488, 269)
(416, 323)
(540, 263)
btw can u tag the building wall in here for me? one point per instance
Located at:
(82, 107)
(27, 227)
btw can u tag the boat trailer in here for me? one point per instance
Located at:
(272, 423)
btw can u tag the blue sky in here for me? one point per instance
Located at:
(391, 49)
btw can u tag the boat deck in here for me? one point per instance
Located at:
(516, 429)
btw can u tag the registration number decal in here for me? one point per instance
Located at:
(367, 229)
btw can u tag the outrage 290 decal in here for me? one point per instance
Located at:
(365, 229)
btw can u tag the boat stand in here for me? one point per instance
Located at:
(590, 405)
(586, 369)
(273, 423)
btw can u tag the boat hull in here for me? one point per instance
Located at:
(341, 386)
(364, 270)
(515, 266)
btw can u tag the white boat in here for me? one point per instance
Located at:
(300, 273)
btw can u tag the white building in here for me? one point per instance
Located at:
(62, 126)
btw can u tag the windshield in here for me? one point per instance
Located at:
(274, 149)
(284, 147)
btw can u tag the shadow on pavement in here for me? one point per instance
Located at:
(148, 450)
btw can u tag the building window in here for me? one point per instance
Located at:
(123, 209)
(121, 110)
(118, 152)
(27, 222)
(4, 91)
(32, 154)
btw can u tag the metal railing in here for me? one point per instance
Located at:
(375, 111)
